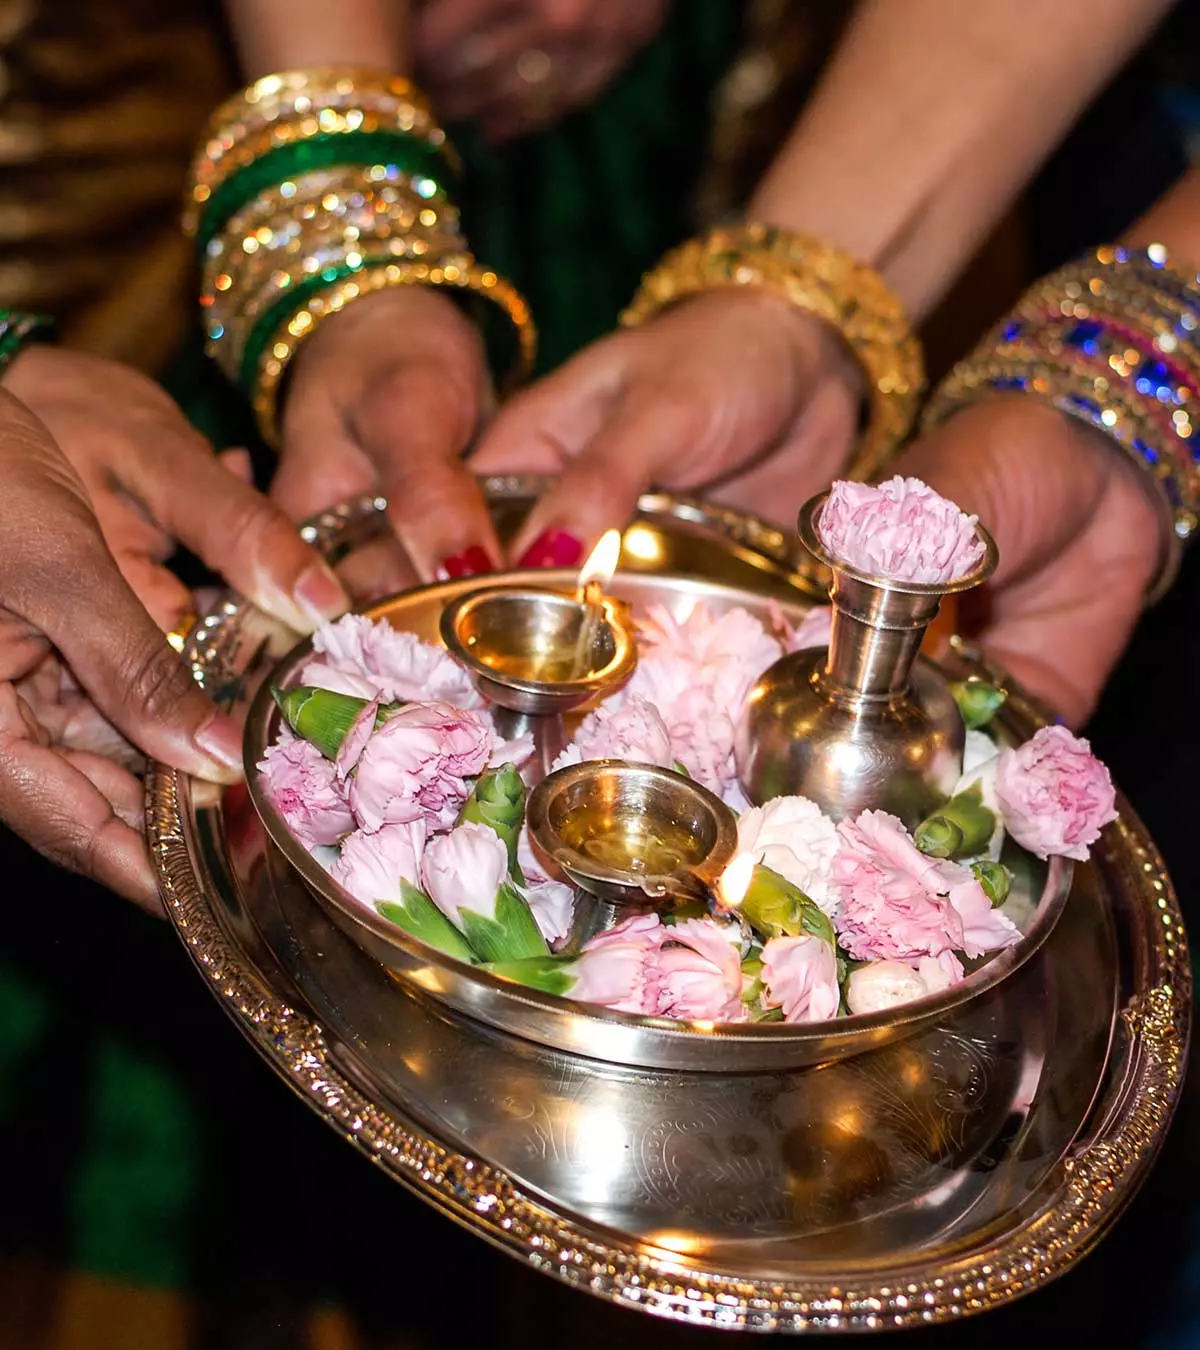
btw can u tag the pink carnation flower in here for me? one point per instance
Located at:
(618, 969)
(632, 731)
(794, 837)
(697, 672)
(898, 903)
(890, 984)
(812, 631)
(800, 975)
(370, 654)
(372, 863)
(701, 731)
(700, 973)
(304, 787)
(901, 530)
(416, 766)
(1054, 794)
(552, 904)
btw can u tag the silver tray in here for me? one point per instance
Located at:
(938, 1176)
(1039, 895)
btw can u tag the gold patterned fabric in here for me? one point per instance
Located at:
(101, 102)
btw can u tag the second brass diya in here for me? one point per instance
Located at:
(865, 723)
(632, 834)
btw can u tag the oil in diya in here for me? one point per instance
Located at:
(540, 652)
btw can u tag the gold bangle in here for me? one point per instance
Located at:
(462, 275)
(824, 282)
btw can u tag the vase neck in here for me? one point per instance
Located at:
(875, 635)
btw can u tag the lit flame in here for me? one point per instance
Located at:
(735, 880)
(602, 561)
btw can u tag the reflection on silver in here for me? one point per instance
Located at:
(859, 726)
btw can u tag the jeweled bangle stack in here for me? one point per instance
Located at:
(825, 282)
(312, 189)
(1109, 340)
(17, 330)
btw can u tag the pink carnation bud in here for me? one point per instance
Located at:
(465, 870)
(1054, 794)
(901, 530)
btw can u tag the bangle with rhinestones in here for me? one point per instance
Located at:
(17, 330)
(1107, 341)
(825, 282)
(312, 189)
(268, 366)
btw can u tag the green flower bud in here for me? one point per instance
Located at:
(977, 700)
(775, 908)
(319, 715)
(995, 879)
(498, 801)
(959, 829)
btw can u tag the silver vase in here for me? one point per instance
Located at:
(864, 723)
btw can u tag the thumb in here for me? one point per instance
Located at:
(120, 658)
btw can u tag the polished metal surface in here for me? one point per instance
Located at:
(537, 651)
(936, 1177)
(1038, 895)
(632, 834)
(863, 723)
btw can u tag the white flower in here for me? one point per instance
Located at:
(981, 773)
(978, 750)
(793, 837)
(883, 984)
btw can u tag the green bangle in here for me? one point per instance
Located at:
(409, 154)
(17, 330)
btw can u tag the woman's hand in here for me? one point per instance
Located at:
(1079, 534)
(515, 65)
(154, 481)
(385, 397)
(84, 675)
(736, 394)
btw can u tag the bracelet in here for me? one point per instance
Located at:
(464, 275)
(17, 330)
(1107, 341)
(315, 116)
(311, 190)
(825, 282)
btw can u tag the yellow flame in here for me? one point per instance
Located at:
(602, 561)
(735, 880)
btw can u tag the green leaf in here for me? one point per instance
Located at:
(418, 916)
(978, 701)
(550, 974)
(510, 934)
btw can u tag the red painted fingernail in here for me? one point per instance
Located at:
(552, 548)
(471, 562)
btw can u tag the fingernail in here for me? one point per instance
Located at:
(471, 562)
(319, 594)
(552, 548)
(221, 742)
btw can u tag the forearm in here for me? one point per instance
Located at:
(290, 34)
(1175, 222)
(932, 117)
